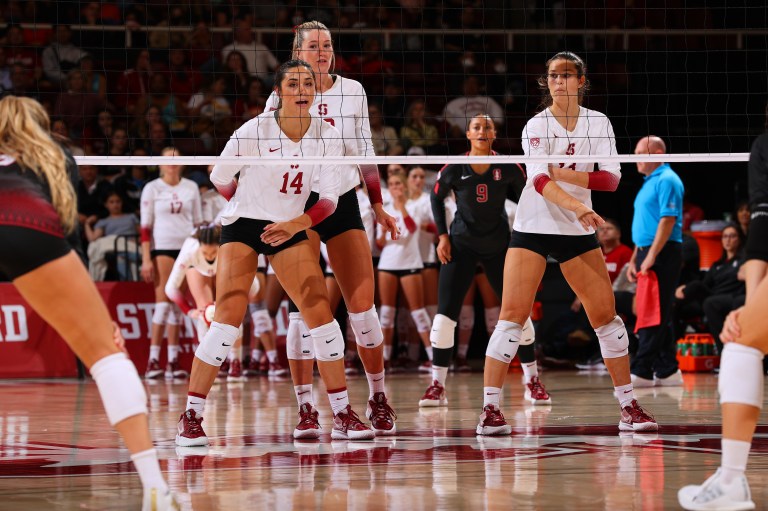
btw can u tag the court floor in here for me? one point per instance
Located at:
(57, 450)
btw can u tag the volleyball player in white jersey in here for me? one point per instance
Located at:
(555, 218)
(427, 236)
(170, 210)
(211, 203)
(263, 327)
(265, 215)
(343, 103)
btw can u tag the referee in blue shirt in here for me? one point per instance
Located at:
(657, 231)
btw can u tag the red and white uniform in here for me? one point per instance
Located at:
(344, 106)
(169, 213)
(423, 210)
(190, 256)
(277, 189)
(544, 136)
(212, 203)
(403, 253)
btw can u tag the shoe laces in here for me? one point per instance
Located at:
(493, 415)
(536, 388)
(380, 409)
(349, 417)
(193, 422)
(637, 413)
(307, 414)
(434, 390)
(710, 490)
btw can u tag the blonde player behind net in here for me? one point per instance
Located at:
(266, 215)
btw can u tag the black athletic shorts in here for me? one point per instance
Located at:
(402, 273)
(757, 238)
(249, 231)
(345, 218)
(559, 246)
(431, 265)
(25, 249)
(173, 254)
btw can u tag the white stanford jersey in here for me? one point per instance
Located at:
(423, 208)
(368, 218)
(344, 106)
(172, 212)
(402, 253)
(212, 203)
(544, 136)
(190, 257)
(277, 189)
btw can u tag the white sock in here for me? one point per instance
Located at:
(624, 394)
(439, 374)
(272, 356)
(491, 396)
(429, 352)
(734, 461)
(154, 352)
(303, 393)
(196, 402)
(375, 383)
(149, 470)
(530, 370)
(256, 354)
(173, 352)
(339, 400)
(387, 352)
(463, 349)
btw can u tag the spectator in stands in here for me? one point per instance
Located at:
(106, 229)
(172, 111)
(720, 291)
(393, 104)
(129, 185)
(20, 83)
(90, 193)
(202, 50)
(459, 111)
(183, 79)
(5, 71)
(158, 139)
(616, 254)
(97, 141)
(384, 138)
(691, 213)
(59, 128)
(260, 60)
(418, 130)
(210, 112)
(95, 82)
(743, 214)
(138, 133)
(61, 56)
(117, 145)
(19, 52)
(133, 85)
(77, 106)
(237, 77)
(253, 104)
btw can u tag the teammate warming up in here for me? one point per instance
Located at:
(554, 218)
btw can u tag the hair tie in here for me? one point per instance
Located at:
(295, 28)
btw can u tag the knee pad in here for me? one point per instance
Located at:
(175, 316)
(491, 318)
(387, 316)
(262, 321)
(504, 341)
(160, 316)
(217, 343)
(529, 334)
(421, 319)
(298, 340)
(120, 387)
(613, 339)
(432, 311)
(329, 342)
(467, 317)
(441, 336)
(741, 375)
(367, 328)
(202, 329)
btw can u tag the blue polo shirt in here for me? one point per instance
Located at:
(661, 195)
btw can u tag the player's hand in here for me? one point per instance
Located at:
(386, 221)
(731, 329)
(444, 249)
(588, 218)
(147, 272)
(278, 233)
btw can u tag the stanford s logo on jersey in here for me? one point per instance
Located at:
(497, 174)
(535, 142)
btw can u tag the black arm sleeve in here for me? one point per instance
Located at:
(437, 199)
(517, 184)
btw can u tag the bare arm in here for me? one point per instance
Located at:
(663, 231)
(556, 195)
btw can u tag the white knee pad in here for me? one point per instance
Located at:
(367, 328)
(202, 329)
(262, 322)
(741, 375)
(298, 341)
(160, 316)
(120, 387)
(504, 341)
(217, 343)
(441, 335)
(467, 317)
(491, 318)
(175, 316)
(432, 311)
(613, 339)
(529, 334)
(329, 342)
(421, 318)
(387, 316)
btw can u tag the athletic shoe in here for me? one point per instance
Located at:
(350, 368)
(593, 364)
(640, 383)
(252, 367)
(223, 369)
(536, 393)
(634, 418)
(275, 369)
(714, 494)
(190, 430)
(347, 426)
(434, 395)
(153, 370)
(155, 500)
(425, 367)
(176, 370)
(673, 380)
(308, 426)
(492, 422)
(460, 365)
(381, 415)
(235, 371)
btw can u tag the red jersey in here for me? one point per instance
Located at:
(616, 259)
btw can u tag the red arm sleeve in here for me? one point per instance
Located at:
(321, 210)
(540, 181)
(603, 181)
(146, 234)
(410, 224)
(371, 179)
(227, 191)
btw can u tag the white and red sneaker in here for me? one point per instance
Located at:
(190, 430)
(173, 370)
(425, 367)
(381, 415)
(492, 422)
(536, 393)
(235, 373)
(276, 369)
(350, 368)
(153, 370)
(223, 369)
(347, 426)
(634, 418)
(460, 365)
(308, 426)
(434, 395)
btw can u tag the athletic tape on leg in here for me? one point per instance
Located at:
(387, 316)
(467, 317)
(217, 343)
(421, 319)
(613, 339)
(329, 342)
(529, 333)
(741, 375)
(367, 328)
(298, 341)
(504, 341)
(160, 315)
(120, 387)
(441, 336)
